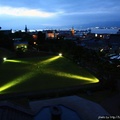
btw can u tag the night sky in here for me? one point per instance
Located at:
(15, 14)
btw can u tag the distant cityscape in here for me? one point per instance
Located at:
(66, 34)
(106, 29)
(95, 38)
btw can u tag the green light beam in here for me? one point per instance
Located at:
(69, 75)
(15, 61)
(94, 80)
(49, 60)
(17, 81)
(26, 76)
(47, 71)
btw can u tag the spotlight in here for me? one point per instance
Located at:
(60, 54)
(4, 59)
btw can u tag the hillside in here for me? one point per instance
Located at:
(42, 73)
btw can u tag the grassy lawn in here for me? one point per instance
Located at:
(36, 74)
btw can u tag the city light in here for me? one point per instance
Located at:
(102, 50)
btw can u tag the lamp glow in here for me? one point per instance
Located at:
(60, 54)
(4, 58)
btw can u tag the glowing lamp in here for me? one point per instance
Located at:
(4, 58)
(60, 54)
(101, 50)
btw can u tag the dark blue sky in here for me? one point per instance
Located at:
(15, 14)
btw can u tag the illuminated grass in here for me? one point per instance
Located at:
(16, 61)
(37, 74)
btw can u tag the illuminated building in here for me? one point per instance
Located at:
(20, 44)
(34, 37)
(51, 34)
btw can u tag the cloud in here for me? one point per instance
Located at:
(83, 12)
(57, 12)
(22, 11)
